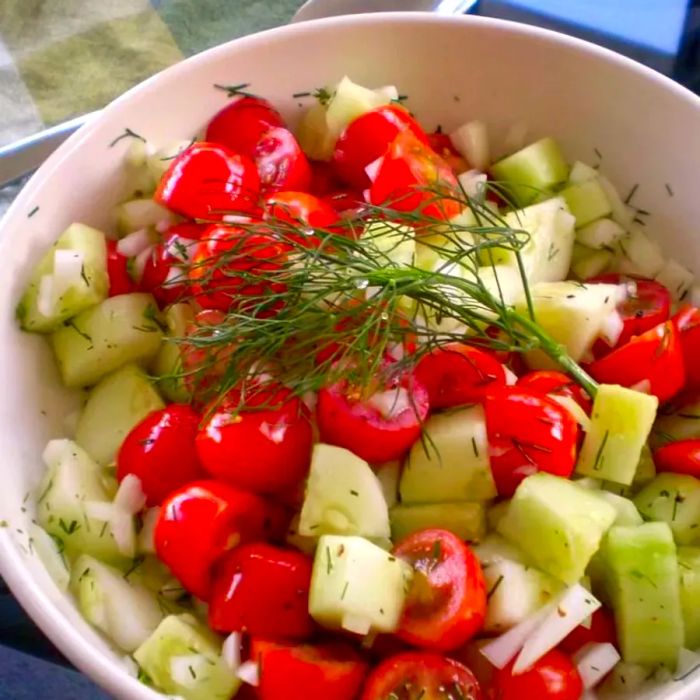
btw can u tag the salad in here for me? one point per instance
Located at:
(374, 412)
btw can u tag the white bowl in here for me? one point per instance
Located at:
(646, 128)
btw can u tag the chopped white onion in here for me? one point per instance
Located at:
(595, 661)
(123, 531)
(390, 403)
(44, 301)
(148, 529)
(132, 244)
(236, 219)
(373, 168)
(130, 496)
(249, 672)
(688, 662)
(514, 139)
(620, 214)
(611, 328)
(185, 669)
(140, 262)
(472, 142)
(389, 91)
(473, 183)
(231, 651)
(676, 278)
(511, 377)
(99, 510)
(130, 666)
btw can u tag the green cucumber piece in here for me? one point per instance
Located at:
(113, 408)
(581, 172)
(313, 134)
(395, 243)
(121, 329)
(182, 657)
(301, 542)
(587, 201)
(50, 551)
(681, 424)
(600, 234)
(627, 513)
(642, 567)
(89, 287)
(646, 471)
(357, 586)
(466, 520)
(167, 365)
(637, 254)
(587, 262)
(677, 278)
(495, 513)
(388, 475)
(343, 496)
(621, 421)
(558, 524)
(452, 464)
(136, 214)
(673, 499)
(689, 569)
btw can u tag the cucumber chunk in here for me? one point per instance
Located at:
(453, 464)
(357, 586)
(113, 408)
(183, 658)
(125, 612)
(466, 520)
(167, 365)
(627, 513)
(313, 134)
(343, 496)
(99, 340)
(141, 213)
(558, 524)
(535, 169)
(621, 421)
(51, 554)
(644, 580)
(587, 201)
(689, 568)
(673, 499)
(600, 234)
(388, 475)
(681, 424)
(646, 471)
(677, 278)
(581, 172)
(587, 262)
(637, 254)
(71, 277)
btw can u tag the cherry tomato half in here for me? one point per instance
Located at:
(457, 374)
(446, 604)
(602, 630)
(260, 441)
(422, 676)
(557, 384)
(527, 432)
(262, 590)
(296, 214)
(120, 280)
(281, 163)
(687, 320)
(160, 451)
(207, 181)
(680, 457)
(442, 145)
(652, 361)
(366, 138)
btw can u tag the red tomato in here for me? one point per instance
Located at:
(446, 604)
(653, 360)
(680, 457)
(422, 676)
(647, 303)
(442, 145)
(262, 590)
(120, 280)
(366, 138)
(412, 178)
(457, 374)
(281, 163)
(553, 677)
(260, 442)
(257, 256)
(347, 203)
(308, 672)
(297, 214)
(558, 384)
(241, 124)
(379, 428)
(323, 180)
(208, 180)
(687, 320)
(160, 451)
(527, 432)
(203, 520)
(602, 630)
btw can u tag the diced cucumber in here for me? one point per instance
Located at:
(495, 513)
(587, 262)
(167, 365)
(466, 520)
(126, 613)
(681, 424)
(73, 479)
(621, 421)
(136, 214)
(689, 569)
(302, 542)
(51, 555)
(588, 483)
(348, 102)
(99, 340)
(627, 513)
(452, 463)
(644, 579)
(572, 313)
(357, 586)
(587, 201)
(503, 281)
(580, 172)
(183, 657)
(677, 278)
(388, 475)
(600, 234)
(558, 524)
(394, 242)
(471, 140)
(160, 161)
(674, 499)
(625, 679)
(71, 277)
(343, 496)
(114, 407)
(534, 170)
(313, 134)
(433, 249)
(646, 471)
(495, 548)
(637, 254)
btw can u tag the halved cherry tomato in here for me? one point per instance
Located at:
(241, 124)
(379, 428)
(442, 145)
(558, 384)
(203, 520)
(646, 304)
(260, 440)
(308, 671)
(296, 214)
(687, 320)
(680, 457)
(120, 280)
(366, 138)
(653, 360)
(602, 630)
(262, 590)
(347, 204)
(423, 676)
(281, 163)
(446, 604)
(160, 451)
(208, 180)
(457, 374)
(527, 432)
(413, 178)
(553, 677)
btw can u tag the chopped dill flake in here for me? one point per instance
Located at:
(353, 492)
(345, 590)
(235, 90)
(669, 190)
(631, 194)
(329, 561)
(128, 134)
(32, 212)
(599, 458)
(494, 588)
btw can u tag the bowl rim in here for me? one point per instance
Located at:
(35, 601)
